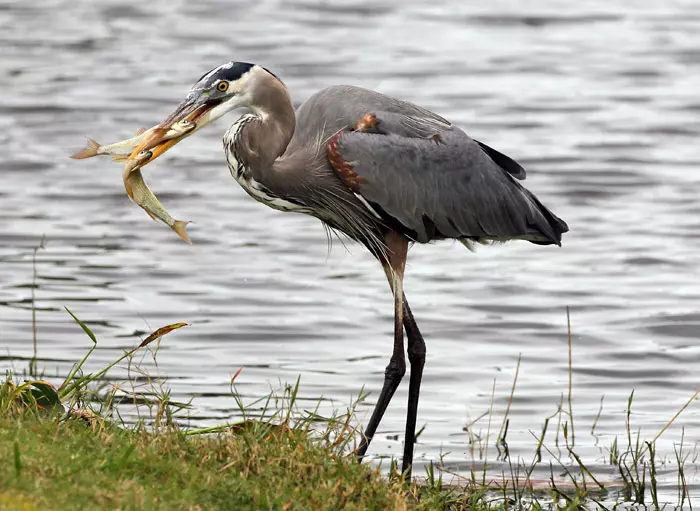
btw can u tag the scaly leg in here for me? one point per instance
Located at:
(394, 268)
(416, 357)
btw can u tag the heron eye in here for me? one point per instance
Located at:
(222, 86)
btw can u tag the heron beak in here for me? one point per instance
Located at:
(188, 117)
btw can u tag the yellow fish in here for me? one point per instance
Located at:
(120, 151)
(136, 187)
(141, 194)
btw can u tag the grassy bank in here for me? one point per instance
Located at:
(71, 464)
(63, 447)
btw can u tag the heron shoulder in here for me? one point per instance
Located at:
(341, 106)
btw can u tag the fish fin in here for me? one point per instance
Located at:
(141, 131)
(89, 151)
(179, 228)
(119, 157)
(153, 217)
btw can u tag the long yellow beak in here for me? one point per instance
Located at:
(183, 120)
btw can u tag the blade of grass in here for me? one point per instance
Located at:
(675, 416)
(32, 363)
(17, 460)
(571, 413)
(597, 418)
(652, 476)
(79, 365)
(488, 432)
(160, 332)
(510, 398)
(65, 390)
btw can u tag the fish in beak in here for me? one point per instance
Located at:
(127, 151)
(122, 150)
(189, 116)
(215, 93)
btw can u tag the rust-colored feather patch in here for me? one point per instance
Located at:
(347, 174)
(367, 124)
(437, 139)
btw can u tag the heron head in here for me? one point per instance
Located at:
(224, 88)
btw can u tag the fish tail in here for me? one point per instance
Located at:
(90, 150)
(179, 227)
(141, 131)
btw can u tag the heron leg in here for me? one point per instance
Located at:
(416, 357)
(394, 268)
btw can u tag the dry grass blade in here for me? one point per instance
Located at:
(675, 416)
(488, 431)
(161, 332)
(501, 433)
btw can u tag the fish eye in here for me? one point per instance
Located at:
(222, 86)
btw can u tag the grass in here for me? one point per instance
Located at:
(65, 446)
(72, 464)
(633, 459)
(66, 453)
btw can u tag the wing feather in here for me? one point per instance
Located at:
(446, 187)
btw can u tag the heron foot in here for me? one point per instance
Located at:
(393, 374)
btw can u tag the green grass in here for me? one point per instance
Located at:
(65, 447)
(71, 464)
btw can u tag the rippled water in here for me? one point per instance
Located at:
(599, 101)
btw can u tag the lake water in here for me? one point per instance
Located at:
(598, 100)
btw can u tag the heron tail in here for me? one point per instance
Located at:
(468, 243)
(90, 150)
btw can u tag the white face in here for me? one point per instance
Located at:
(237, 94)
(215, 94)
(221, 109)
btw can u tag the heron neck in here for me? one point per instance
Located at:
(267, 138)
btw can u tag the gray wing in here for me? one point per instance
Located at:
(341, 106)
(437, 182)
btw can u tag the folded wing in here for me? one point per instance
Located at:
(437, 182)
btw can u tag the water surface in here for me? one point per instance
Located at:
(599, 101)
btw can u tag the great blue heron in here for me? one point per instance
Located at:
(382, 171)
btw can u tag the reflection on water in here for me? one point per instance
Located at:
(599, 101)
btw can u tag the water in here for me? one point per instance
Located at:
(599, 101)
